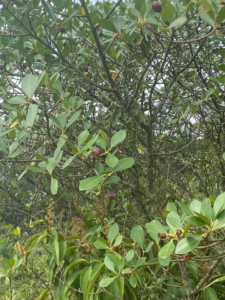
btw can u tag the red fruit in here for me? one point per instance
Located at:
(179, 231)
(156, 6)
(186, 256)
(111, 196)
(97, 152)
(58, 24)
(162, 235)
(115, 35)
(2, 67)
(62, 29)
(2, 55)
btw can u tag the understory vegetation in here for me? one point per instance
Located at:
(112, 149)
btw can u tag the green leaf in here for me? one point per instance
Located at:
(137, 235)
(106, 281)
(68, 283)
(164, 261)
(178, 22)
(90, 183)
(119, 22)
(210, 294)
(54, 186)
(73, 264)
(69, 160)
(105, 137)
(188, 244)
(133, 280)
(11, 262)
(195, 221)
(62, 141)
(118, 137)
(100, 245)
(50, 11)
(17, 100)
(84, 278)
(129, 256)
(118, 241)
(171, 207)
(31, 115)
(196, 206)
(206, 18)
(109, 264)
(111, 160)
(207, 209)
(112, 179)
(123, 164)
(107, 24)
(54, 246)
(73, 118)
(140, 262)
(50, 165)
(155, 227)
(56, 121)
(29, 85)
(173, 220)
(166, 250)
(99, 167)
(83, 137)
(62, 250)
(93, 278)
(167, 13)
(219, 204)
(221, 15)
(36, 169)
(135, 13)
(43, 294)
(113, 232)
(220, 220)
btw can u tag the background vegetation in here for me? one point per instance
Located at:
(142, 84)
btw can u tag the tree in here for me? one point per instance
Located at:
(146, 86)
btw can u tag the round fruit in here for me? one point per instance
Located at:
(62, 29)
(111, 196)
(97, 152)
(2, 67)
(162, 235)
(2, 55)
(186, 256)
(156, 6)
(115, 35)
(58, 24)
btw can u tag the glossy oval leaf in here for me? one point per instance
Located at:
(113, 232)
(119, 22)
(137, 235)
(111, 160)
(29, 85)
(31, 115)
(123, 164)
(188, 244)
(90, 183)
(166, 250)
(117, 138)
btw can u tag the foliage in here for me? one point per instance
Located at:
(145, 86)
